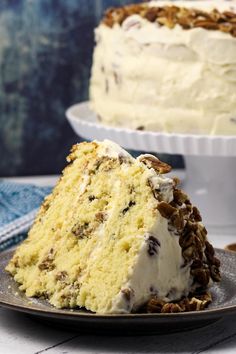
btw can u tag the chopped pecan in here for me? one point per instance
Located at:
(155, 191)
(201, 275)
(169, 16)
(81, 230)
(177, 221)
(207, 24)
(209, 251)
(196, 214)
(153, 245)
(155, 305)
(151, 14)
(215, 273)
(101, 216)
(179, 196)
(166, 210)
(140, 127)
(171, 308)
(48, 262)
(61, 276)
(127, 293)
(153, 162)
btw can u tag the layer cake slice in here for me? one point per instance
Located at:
(114, 233)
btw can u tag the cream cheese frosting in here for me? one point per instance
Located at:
(147, 76)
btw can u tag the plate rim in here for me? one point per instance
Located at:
(72, 314)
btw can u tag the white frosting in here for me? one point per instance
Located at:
(163, 273)
(172, 80)
(111, 149)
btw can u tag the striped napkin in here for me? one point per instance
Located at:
(19, 204)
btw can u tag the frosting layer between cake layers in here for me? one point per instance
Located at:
(148, 76)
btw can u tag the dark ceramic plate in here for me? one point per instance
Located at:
(224, 303)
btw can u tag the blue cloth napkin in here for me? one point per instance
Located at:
(19, 204)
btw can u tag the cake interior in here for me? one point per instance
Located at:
(89, 209)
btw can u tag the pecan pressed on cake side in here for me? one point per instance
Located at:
(170, 16)
(184, 221)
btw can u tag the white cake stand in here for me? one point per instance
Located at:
(210, 162)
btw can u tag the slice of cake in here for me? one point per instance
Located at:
(167, 66)
(114, 233)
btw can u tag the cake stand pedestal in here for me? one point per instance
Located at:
(211, 183)
(210, 162)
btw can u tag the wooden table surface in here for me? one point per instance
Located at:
(22, 334)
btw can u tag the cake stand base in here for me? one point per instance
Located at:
(211, 184)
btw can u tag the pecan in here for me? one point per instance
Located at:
(196, 214)
(61, 276)
(179, 196)
(184, 213)
(190, 226)
(209, 251)
(225, 27)
(155, 305)
(155, 191)
(177, 221)
(81, 230)
(47, 264)
(151, 14)
(205, 297)
(140, 127)
(166, 210)
(216, 262)
(194, 302)
(215, 273)
(186, 240)
(202, 276)
(176, 181)
(201, 235)
(210, 25)
(100, 216)
(166, 21)
(127, 293)
(153, 245)
(184, 22)
(229, 14)
(171, 308)
(153, 162)
(197, 263)
(188, 253)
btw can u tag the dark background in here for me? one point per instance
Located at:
(45, 60)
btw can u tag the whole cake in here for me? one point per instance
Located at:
(115, 235)
(167, 66)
